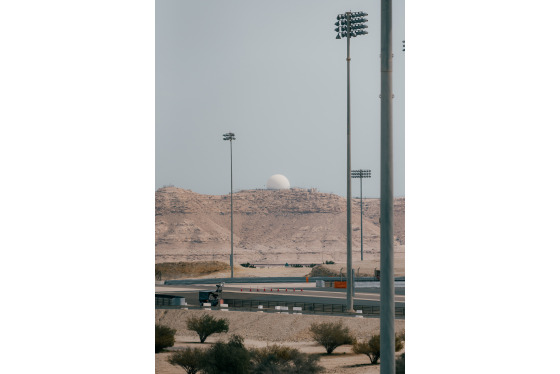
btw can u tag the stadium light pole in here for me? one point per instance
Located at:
(387, 281)
(361, 174)
(231, 136)
(349, 24)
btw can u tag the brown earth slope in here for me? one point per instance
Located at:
(295, 226)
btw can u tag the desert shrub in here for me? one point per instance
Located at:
(296, 265)
(191, 359)
(170, 270)
(329, 262)
(228, 358)
(399, 364)
(246, 265)
(372, 348)
(322, 271)
(165, 337)
(207, 325)
(331, 335)
(311, 265)
(284, 360)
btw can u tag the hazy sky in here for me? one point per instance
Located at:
(273, 73)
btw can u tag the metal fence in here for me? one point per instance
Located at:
(314, 308)
(308, 307)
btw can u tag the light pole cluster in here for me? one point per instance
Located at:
(361, 174)
(231, 136)
(349, 24)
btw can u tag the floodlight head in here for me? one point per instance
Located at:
(338, 36)
(229, 136)
(358, 20)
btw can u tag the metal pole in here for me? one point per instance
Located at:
(353, 289)
(350, 300)
(361, 223)
(231, 201)
(387, 286)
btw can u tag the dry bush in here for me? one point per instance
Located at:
(177, 270)
(228, 358)
(165, 337)
(190, 359)
(322, 271)
(331, 335)
(372, 348)
(284, 360)
(206, 325)
(325, 270)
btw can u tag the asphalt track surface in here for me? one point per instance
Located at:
(301, 292)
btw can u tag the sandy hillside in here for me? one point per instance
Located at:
(270, 227)
(296, 226)
(260, 329)
(362, 269)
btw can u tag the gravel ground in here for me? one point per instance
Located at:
(260, 329)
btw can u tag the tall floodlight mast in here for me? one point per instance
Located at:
(349, 24)
(387, 286)
(361, 174)
(231, 136)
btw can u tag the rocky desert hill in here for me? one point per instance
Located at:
(274, 227)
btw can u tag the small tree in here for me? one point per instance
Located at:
(165, 337)
(228, 358)
(331, 335)
(191, 359)
(284, 360)
(372, 348)
(207, 325)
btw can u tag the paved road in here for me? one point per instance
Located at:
(285, 291)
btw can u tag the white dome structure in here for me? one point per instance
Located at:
(278, 182)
